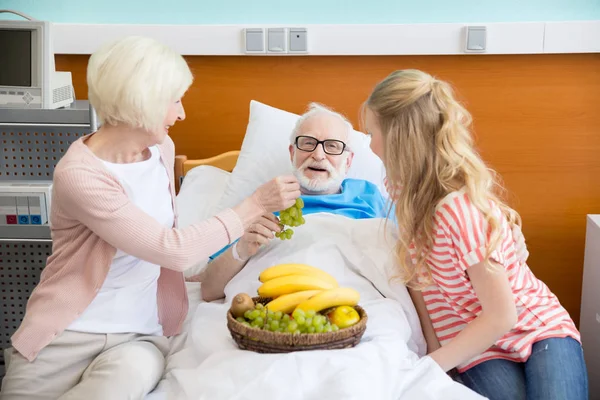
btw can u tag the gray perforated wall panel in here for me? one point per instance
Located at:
(31, 153)
(22, 263)
(33, 141)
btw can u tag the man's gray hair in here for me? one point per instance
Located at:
(316, 109)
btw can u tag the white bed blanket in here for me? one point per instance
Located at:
(387, 364)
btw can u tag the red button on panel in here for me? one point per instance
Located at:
(11, 219)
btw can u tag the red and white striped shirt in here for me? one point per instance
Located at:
(461, 234)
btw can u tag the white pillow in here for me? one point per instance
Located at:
(265, 155)
(201, 190)
(199, 194)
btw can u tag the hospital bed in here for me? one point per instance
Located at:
(205, 363)
(208, 185)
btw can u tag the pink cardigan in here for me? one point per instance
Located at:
(91, 217)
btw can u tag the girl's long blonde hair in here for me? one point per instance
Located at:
(429, 153)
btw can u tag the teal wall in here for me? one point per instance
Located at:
(303, 11)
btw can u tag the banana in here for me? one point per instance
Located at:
(287, 302)
(295, 269)
(292, 283)
(331, 298)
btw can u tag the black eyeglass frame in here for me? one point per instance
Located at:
(322, 143)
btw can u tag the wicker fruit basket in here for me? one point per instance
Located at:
(264, 341)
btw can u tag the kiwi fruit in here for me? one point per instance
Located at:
(240, 304)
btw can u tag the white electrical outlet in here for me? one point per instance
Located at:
(476, 39)
(298, 40)
(276, 40)
(254, 40)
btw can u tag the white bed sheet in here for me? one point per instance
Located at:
(200, 191)
(177, 342)
(387, 364)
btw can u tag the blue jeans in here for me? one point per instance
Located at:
(555, 371)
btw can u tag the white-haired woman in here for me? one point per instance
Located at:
(113, 289)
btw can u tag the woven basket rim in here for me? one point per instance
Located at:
(290, 340)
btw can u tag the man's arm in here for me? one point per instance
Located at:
(220, 271)
(217, 275)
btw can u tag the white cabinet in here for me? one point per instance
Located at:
(589, 323)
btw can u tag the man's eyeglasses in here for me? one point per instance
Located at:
(330, 146)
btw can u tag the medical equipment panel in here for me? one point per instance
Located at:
(25, 203)
(28, 78)
(32, 142)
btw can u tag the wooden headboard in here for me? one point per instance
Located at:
(537, 122)
(226, 161)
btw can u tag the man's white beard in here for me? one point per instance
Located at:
(321, 185)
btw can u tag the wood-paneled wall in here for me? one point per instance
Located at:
(537, 122)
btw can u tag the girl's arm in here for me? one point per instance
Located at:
(432, 341)
(497, 317)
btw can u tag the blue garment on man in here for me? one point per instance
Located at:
(358, 199)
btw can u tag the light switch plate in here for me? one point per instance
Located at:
(276, 40)
(476, 39)
(298, 40)
(254, 40)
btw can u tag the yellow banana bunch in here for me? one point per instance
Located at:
(281, 270)
(330, 298)
(288, 302)
(292, 283)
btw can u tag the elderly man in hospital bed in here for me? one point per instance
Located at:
(321, 156)
(344, 234)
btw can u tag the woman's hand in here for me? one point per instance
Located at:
(277, 194)
(258, 234)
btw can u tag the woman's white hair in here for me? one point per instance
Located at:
(132, 81)
(316, 109)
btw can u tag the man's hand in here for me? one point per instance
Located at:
(222, 269)
(258, 234)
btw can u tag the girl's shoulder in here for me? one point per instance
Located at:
(455, 201)
(452, 196)
(457, 209)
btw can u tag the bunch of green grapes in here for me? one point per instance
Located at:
(290, 217)
(299, 322)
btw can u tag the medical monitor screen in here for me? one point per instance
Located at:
(15, 53)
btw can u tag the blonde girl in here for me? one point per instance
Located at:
(482, 309)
